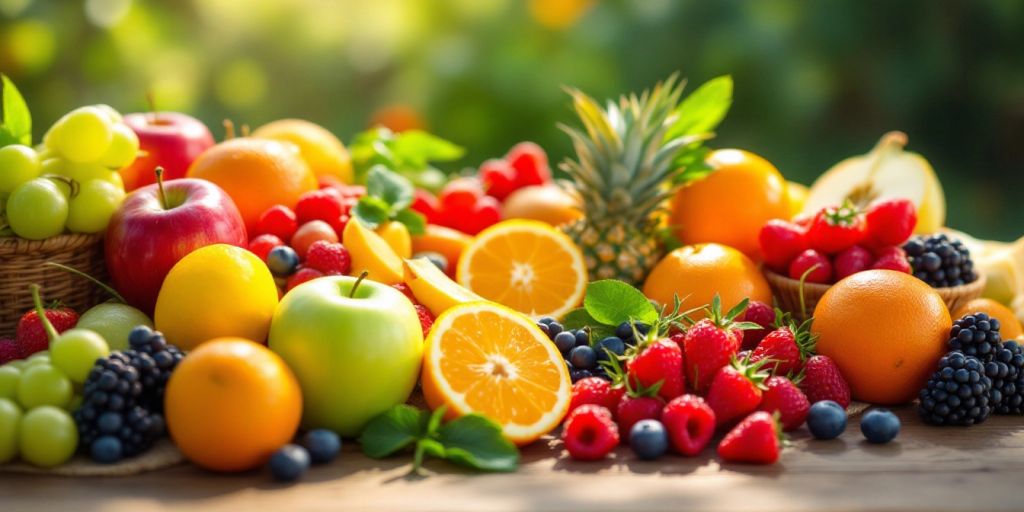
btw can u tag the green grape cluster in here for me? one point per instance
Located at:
(70, 182)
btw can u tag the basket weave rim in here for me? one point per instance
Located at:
(13, 245)
(964, 288)
(780, 279)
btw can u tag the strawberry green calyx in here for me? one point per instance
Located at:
(752, 371)
(614, 370)
(806, 340)
(728, 321)
(845, 215)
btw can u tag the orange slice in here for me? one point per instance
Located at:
(526, 265)
(485, 358)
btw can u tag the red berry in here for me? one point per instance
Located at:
(835, 229)
(338, 225)
(310, 232)
(460, 195)
(784, 349)
(781, 241)
(261, 245)
(30, 334)
(332, 259)
(355, 191)
(808, 259)
(755, 440)
(426, 318)
(485, 213)
(736, 391)
(404, 288)
(596, 391)
(322, 205)
(823, 381)
(632, 409)
(9, 350)
(781, 395)
(498, 177)
(892, 258)
(890, 222)
(531, 164)
(690, 423)
(851, 261)
(589, 433)
(761, 314)
(279, 221)
(707, 347)
(427, 204)
(301, 276)
(661, 361)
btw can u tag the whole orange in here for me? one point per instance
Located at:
(231, 403)
(1009, 326)
(885, 330)
(729, 205)
(695, 273)
(256, 173)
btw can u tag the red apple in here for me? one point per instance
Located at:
(167, 139)
(155, 228)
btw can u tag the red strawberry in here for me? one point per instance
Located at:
(736, 391)
(332, 259)
(322, 205)
(780, 242)
(531, 164)
(338, 225)
(9, 350)
(836, 228)
(823, 381)
(890, 222)
(404, 288)
(460, 195)
(785, 349)
(485, 213)
(426, 318)
(851, 261)
(279, 221)
(712, 342)
(301, 276)
(427, 204)
(690, 423)
(755, 440)
(892, 258)
(597, 391)
(660, 361)
(781, 395)
(761, 314)
(807, 260)
(261, 245)
(30, 334)
(634, 407)
(589, 433)
(498, 177)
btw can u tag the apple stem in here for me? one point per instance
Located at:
(359, 280)
(229, 129)
(151, 101)
(160, 185)
(37, 301)
(113, 293)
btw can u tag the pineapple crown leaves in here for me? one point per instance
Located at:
(728, 320)
(753, 371)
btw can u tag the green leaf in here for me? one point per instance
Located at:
(577, 319)
(434, 423)
(477, 442)
(612, 302)
(703, 109)
(17, 120)
(395, 190)
(371, 211)
(419, 147)
(414, 221)
(394, 430)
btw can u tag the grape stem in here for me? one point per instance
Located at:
(160, 185)
(359, 280)
(229, 129)
(113, 293)
(51, 332)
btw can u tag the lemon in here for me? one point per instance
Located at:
(216, 291)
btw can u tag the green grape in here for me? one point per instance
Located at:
(83, 135)
(19, 364)
(76, 350)
(9, 377)
(124, 146)
(113, 321)
(43, 385)
(91, 209)
(48, 436)
(37, 209)
(112, 114)
(10, 423)
(42, 355)
(18, 164)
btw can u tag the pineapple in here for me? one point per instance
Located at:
(623, 172)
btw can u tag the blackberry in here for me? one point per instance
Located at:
(957, 393)
(975, 335)
(1010, 388)
(940, 261)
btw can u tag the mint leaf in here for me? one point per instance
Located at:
(612, 302)
(17, 121)
(396, 429)
(390, 187)
(414, 221)
(371, 211)
(703, 109)
(577, 319)
(475, 441)
(418, 147)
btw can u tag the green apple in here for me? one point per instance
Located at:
(355, 354)
(114, 321)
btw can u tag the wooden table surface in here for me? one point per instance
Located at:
(926, 468)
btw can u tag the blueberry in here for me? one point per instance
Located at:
(648, 439)
(583, 358)
(544, 328)
(624, 330)
(106, 450)
(643, 328)
(826, 420)
(140, 336)
(282, 261)
(545, 320)
(879, 426)
(289, 463)
(565, 341)
(613, 344)
(109, 422)
(323, 445)
(554, 328)
(577, 374)
(582, 338)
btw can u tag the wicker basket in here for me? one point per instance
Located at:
(21, 264)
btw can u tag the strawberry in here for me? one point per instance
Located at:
(338, 225)
(780, 242)
(426, 318)
(836, 228)
(498, 177)
(892, 258)
(322, 205)
(636, 405)
(690, 423)
(851, 261)
(30, 333)
(9, 350)
(589, 433)
(597, 391)
(330, 258)
(890, 222)
(785, 349)
(279, 221)
(485, 213)
(782, 396)
(660, 361)
(531, 164)
(822, 380)
(761, 314)
(710, 343)
(756, 440)
(427, 204)
(262, 244)
(811, 259)
(459, 196)
(404, 288)
(736, 391)
(301, 276)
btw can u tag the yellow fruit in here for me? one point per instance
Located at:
(546, 203)
(526, 265)
(371, 253)
(1009, 327)
(1002, 264)
(216, 291)
(485, 358)
(887, 171)
(321, 150)
(397, 236)
(433, 288)
(797, 194)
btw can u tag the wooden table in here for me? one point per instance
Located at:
(926, 468)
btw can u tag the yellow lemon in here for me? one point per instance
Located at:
(321, 150)
(397, 236)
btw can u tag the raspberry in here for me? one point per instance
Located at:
(426, 318)
(690, 423)
(322, 205)
(9, 350)
(304, 274)
(404, 288)
(332, 259)
(589, 433)
(279, 221)
(261, 245)
(596, 391)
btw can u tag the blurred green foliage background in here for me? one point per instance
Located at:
(816, 81)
